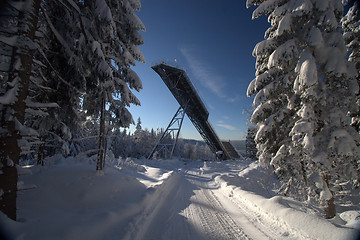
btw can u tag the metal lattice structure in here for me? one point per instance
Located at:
(185, 93)
(168, 140)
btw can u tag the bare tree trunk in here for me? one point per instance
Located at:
(101, 152)
(287, 189)
(105, 147)
(41, 152)
(15, 113)
(330, 210)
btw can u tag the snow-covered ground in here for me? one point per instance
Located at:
(163, 199)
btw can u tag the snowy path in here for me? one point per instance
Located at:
(209, 215)
(163, 199)
(190, 205)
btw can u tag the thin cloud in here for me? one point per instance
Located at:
(234, 99)
(226, 126)
(210, 106)
(207, 78)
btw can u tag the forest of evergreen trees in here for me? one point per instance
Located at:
(139, 144)
(65, 68)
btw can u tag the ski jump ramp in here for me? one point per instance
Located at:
(185, 93)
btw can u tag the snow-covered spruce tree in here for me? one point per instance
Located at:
(110, 47)
(60, 77)
(305, 49)
(251, 150)
(350, 24)
(23, 74)
(118, 143)
(138, 125)
(18, 20)
(142, 141)
(275, 100)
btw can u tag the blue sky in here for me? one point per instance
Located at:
(213, 41)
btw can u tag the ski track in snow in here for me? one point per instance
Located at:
(214, 220)
(165, 199)
(190, 205)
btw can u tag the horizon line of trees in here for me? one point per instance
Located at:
(123, 144)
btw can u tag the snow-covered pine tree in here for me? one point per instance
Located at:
(251, 150)
(350, 24)
(189, 150)
(142, 143)
(275, 100)
(117, 146)
(138, 125)
(19, 20)
(110, 48)
(60, 77)
(305, 51)
(24, 70)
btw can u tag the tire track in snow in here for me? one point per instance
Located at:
(219, 221)
(207, 212)
(161, 218)
(272, 228)
(222, 218)
(190, 206)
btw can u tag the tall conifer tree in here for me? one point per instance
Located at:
(19, 23)
(304, 89)
(350, 24)
(110, 48)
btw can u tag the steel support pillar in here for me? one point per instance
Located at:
(167, 143)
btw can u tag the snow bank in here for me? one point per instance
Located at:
(251, 189)
(68, 199)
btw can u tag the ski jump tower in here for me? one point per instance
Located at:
(190, 103)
